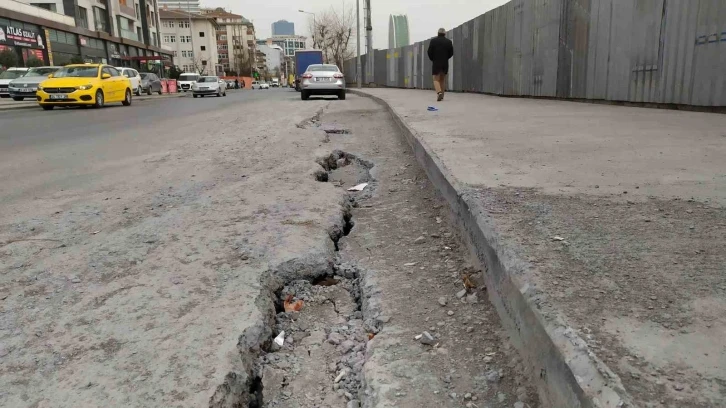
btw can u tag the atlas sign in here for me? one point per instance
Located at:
(21, 37)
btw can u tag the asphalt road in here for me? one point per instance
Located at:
(55, 148)
(133, 240)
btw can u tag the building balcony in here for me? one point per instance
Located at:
(129, 11)
(129, 35)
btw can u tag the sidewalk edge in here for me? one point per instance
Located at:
(565, 371)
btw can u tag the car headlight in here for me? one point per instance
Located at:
(85, 87)
(40, 88)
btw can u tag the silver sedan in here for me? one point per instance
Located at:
(322, 79)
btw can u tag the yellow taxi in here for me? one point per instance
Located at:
(85, 85)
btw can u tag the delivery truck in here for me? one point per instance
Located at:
(304, 59)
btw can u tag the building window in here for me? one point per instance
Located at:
(100, 19)
(139, 34)
(187, 54)
(174, 53)
(170, 38)
(138, 15)
(81, 17)
(203, 48)
(154, 40)
(223, 37)
(184, 24)
(167, 24)
(201, 33)
(185, 38)
(153, 19)
(47, 6)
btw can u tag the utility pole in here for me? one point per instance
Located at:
(369, 42)
(358, 71)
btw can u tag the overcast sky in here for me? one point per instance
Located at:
(424, 16)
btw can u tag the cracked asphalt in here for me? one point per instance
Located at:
(132, 241)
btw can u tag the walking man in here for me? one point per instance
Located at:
(440, 51)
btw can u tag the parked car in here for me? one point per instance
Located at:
(84, 85)
(27, 85)
(133, 76)
(209, 85)
(255, 85)
(7, 76)
(186, 80)
(264, 85)
(322, 79)
(150, 82)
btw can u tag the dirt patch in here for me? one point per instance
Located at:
(404, 239)
(643, 282)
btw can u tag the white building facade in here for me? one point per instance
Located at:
(192, 39)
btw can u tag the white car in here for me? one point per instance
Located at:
(209, 85)
(7, 76)
(264, 85)
(133, 76)
(187, 80)
(322, 79)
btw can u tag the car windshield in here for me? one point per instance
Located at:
(76, 72)
(11, 74)
(40, 71)
(207, 79)
(188, 77)
(318, 68)
(144, 76)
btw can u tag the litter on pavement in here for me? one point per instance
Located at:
(280, 339)
(432, 109)
(358, 187)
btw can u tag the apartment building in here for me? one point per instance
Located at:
(235, 39)
(118, 32)
(192, 38)
(191, 6)
(288, 43)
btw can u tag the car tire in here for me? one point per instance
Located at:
(159, 90)
(341, 95)
(224, 93)
(18, 98)
(219, 94)
(195, 95)
(127, 98)
(47, 107)
(148, 91)
(201, 96)
(304, 95)
(100, 100)
(138, 91)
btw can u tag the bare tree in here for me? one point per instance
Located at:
(332, 32)
(244, 63)
(200, 65)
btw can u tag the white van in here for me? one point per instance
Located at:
(186, 80)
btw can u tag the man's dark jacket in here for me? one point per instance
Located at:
(440, 51)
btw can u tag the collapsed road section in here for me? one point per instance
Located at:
(398, 316)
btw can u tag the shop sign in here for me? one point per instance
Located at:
(20, 37)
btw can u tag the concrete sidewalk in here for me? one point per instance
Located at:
(603, 231)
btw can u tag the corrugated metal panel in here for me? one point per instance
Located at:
(668, 51)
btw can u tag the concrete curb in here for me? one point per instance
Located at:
(150, 98)
(566, 372)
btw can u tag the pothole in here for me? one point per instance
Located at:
(344, 169)
(309, 347)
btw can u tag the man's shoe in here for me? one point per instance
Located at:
(441, 97)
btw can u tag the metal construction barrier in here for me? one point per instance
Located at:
(642, 51)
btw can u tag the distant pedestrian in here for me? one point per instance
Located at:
(440, 51)
(243, 84)
(236, 83)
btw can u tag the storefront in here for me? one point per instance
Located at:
(26, 40)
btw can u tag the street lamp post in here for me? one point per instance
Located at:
(314, 25)
(358, 72)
